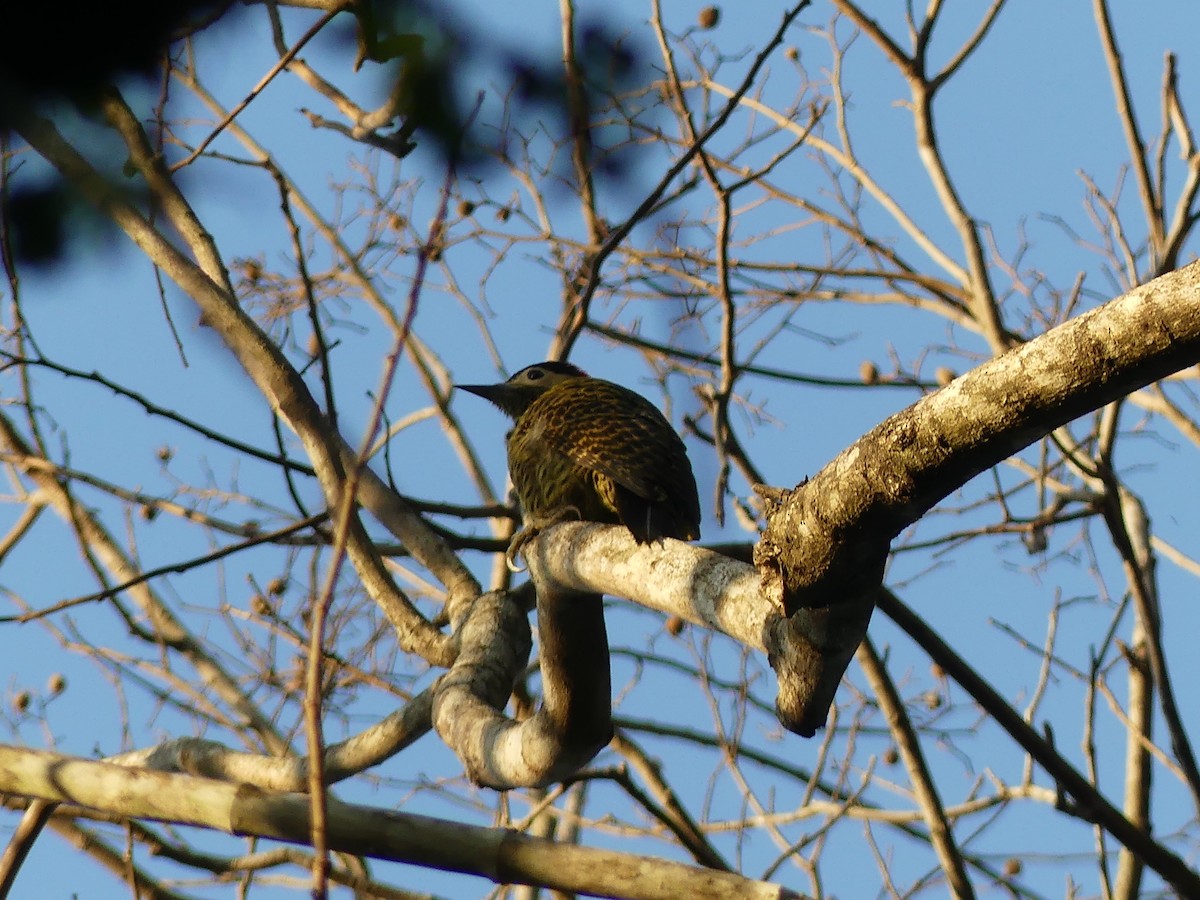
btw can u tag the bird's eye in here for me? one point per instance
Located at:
(534, 374)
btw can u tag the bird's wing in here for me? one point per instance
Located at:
(623, 436)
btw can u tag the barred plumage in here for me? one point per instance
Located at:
(586, 448)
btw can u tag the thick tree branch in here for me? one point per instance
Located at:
(826, 540)
(820, 534)
(822, 553)
(500, 855)
(468, 701)
(575, 719)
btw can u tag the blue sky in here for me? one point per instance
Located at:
(1032, 110)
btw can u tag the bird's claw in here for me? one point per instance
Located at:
(530, 531)
(518, 542)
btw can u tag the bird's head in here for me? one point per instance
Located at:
(515, 395)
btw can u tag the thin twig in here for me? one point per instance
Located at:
(258, 88)
(941, 835)
(37, 814)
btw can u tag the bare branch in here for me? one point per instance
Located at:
(492, 853)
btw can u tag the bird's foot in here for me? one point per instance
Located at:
(531, 530)
(519, 540)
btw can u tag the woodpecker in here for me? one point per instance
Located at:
(585, 448)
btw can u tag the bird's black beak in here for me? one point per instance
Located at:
(511, 403)
(491, 392)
